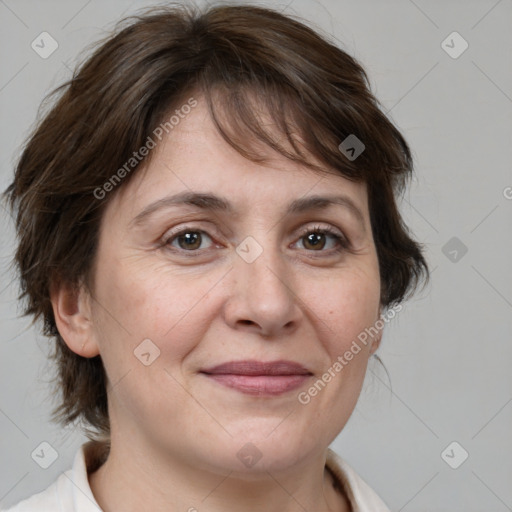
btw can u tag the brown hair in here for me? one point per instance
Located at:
(126, 89)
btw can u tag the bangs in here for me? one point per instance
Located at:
(250, 117)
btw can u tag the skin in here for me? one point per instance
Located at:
(175, 432)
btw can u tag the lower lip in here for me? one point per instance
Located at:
(260, 385)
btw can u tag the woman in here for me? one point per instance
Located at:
(209, 231)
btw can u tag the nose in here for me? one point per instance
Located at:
(262, 298)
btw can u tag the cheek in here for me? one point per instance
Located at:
(149, 301)
(347, 305)
(345, 309)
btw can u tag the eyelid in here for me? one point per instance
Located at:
(327, 227)
(170, 233)
(343, 242)
(173, 233)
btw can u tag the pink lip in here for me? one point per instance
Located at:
(258, 377)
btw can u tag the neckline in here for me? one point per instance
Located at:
(341, 479)
(96, 453)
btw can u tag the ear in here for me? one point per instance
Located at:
(376, 340)
(72, 311)
(376, 343)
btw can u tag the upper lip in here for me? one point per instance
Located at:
(252, 367)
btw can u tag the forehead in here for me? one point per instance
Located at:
(194, 157)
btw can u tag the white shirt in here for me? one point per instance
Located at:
(71, 491)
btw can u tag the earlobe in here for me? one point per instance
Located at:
(376, 340)
(376, 343)
(72, 311)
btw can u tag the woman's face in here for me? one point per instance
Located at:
(245, 275)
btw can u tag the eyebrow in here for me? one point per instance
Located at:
(211, 202)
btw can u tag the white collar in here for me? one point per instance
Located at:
(73, 488)
(77, 476)
(361, 496)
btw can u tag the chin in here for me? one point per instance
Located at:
(262, 451)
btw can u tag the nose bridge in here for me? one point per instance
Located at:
(262, 262)
(263, 294)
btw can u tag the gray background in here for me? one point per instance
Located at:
(448, 352)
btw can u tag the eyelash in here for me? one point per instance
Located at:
(342, 242)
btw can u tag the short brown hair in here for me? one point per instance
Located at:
(124, 91)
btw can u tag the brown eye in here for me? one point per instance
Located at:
(318, 238)
(314, 240)
(187, 240)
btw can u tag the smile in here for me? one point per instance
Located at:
(259, 378)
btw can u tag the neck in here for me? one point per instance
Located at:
(140, 478)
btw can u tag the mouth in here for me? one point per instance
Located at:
(259, 378)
